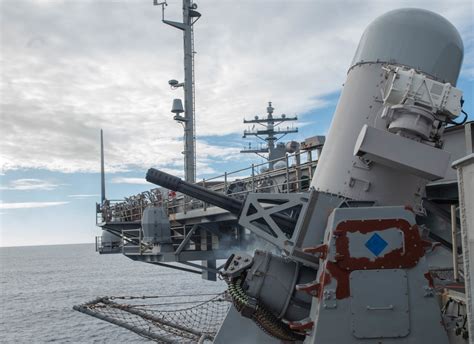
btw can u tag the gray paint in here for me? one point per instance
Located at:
(341, 173)
(465, 170)
(270, 280)
(416, 38)
(156, 226)
(337, 324)
(237, 329)
(402, 154)
(108, 237)
(379, 304)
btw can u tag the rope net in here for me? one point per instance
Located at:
(164, 319)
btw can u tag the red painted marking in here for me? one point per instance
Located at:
(343, 289)
(315, 288)
(344, 264)
(430, 279)
(301, 326)
(310, 288)
(414, 245)
(321, 249)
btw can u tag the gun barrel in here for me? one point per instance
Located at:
(176, 184)
(230, 204)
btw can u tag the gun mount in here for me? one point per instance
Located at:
(173, 183)
(356, 262)
(234, 206)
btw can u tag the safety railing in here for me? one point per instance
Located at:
(129, 209)
(183, 238)
(289, 174)
(132, 241)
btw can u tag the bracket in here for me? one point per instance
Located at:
(259, 212)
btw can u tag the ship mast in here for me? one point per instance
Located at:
(190, 17)
(270, 133)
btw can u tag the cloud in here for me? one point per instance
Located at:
(30, 184)
(30, 205)
(72, 67)
(129, 180)
(79, 196)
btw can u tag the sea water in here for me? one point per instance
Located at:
(39, 285)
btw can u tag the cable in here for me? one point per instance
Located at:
(450, 121)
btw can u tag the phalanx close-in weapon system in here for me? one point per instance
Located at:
(368, 250)
(358, 263)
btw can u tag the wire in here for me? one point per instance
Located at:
(449, 121)
(465, 115)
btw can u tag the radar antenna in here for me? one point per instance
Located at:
(270, 133)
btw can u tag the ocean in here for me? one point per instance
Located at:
(39, 285)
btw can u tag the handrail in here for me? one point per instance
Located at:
(285, 179)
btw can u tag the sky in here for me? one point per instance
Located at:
(69, 68)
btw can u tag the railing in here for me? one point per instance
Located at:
(293, 176)
(288, 175)
(132, 241)
(130, 209)
(183, 238)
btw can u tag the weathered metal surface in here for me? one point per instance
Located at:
(465, 168)
(379, 304)
(416, 38)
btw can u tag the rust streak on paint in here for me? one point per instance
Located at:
(342, 277)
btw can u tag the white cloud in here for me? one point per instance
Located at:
(70, 68)
(82, 196)
(129, 180)
(29, 184)
(30, 205)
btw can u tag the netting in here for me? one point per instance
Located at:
(164, 319)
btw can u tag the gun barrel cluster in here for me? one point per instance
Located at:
(170, 182)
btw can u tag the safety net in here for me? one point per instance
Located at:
(164, 319)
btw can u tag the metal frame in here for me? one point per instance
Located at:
(258, 207)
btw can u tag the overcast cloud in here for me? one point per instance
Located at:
(29, 184)
(72, 67)
(30, 205)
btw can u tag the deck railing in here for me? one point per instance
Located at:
(288, 175)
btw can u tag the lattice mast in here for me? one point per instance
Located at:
(270, 133)
(190, 16)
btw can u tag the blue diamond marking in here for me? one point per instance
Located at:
(376, 244)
